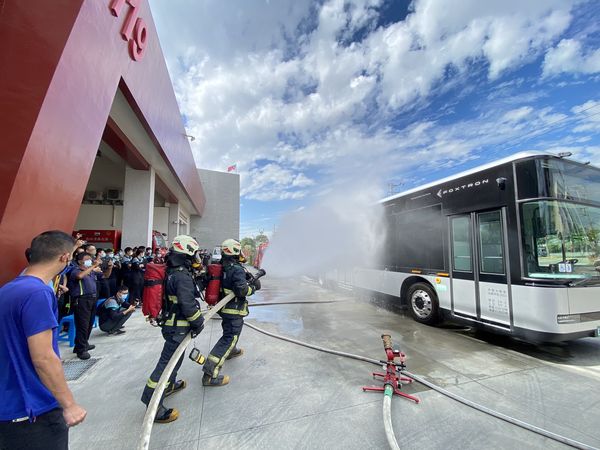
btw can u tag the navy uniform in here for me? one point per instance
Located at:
(233, 281)
(182, 316)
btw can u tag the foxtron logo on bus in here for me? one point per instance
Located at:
(462, 187)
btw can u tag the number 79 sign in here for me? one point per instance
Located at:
(134, 28)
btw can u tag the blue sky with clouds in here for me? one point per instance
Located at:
(308, 96)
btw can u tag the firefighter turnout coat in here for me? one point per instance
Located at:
(181, 304)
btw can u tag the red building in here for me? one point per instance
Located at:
(85, 85)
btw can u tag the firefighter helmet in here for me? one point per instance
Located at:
(231, 247)
(185, 244)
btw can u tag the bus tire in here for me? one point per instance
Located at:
(423, 304)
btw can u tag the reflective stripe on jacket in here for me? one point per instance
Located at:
(181, 302)
(234, 281)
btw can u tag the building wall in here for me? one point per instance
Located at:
(221, 218)
(55, 102)
(109, 217)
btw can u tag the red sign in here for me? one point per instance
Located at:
(134, 29)
(101, 237)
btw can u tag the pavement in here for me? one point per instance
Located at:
(283, 396)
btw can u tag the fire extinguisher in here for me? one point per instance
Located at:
(213, 287)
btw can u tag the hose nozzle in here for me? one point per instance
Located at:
(387, 341)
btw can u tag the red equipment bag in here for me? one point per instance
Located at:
(152, 297)
(213, 288)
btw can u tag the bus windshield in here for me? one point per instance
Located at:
(561, 240)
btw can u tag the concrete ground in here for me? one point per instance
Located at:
(285, 396)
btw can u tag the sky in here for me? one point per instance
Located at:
(309, 97)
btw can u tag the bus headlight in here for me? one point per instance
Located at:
(568, 318)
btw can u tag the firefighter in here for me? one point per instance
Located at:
(234, 280)
(181, 316)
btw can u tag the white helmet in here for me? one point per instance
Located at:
(185, 244)
(231, 247)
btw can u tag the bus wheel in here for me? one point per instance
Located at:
(423, 304)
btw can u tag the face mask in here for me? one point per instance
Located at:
(111, 255)
(124, 297)
(102, 255)
(87, 263)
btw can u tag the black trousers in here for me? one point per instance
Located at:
(232, 328)
(112, 286)
(48, 432)
(172, 341)
(103, 288)
(113, 325)
(85, 312)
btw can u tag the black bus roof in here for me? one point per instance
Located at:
(474, 170)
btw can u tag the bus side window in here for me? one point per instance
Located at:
(461, 244)
(490, 242)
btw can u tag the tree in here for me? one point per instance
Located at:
(249, 247)
(261, 239)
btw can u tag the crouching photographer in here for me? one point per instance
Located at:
(115, 311)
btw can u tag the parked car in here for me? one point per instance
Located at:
(216, 255)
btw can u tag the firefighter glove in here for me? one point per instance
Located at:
(197, 326)
(256, 285)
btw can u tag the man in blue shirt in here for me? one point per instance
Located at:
(37, 406)
(83, 287)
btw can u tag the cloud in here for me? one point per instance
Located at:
(589, 116)
(569, 56)
(518, 114)
(296, 91)
(273, 182)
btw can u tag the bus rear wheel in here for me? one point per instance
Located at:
(423, 304)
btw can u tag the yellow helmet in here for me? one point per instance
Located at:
(231, 247)
(185, 244)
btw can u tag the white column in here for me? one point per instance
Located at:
(173, 221)
(138, 207)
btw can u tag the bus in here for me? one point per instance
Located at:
(512, 246)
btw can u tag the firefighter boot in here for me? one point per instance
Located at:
(175, 387)
(165, 415)
(235, 353)
(221, 380)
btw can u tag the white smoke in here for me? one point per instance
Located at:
(342, 229)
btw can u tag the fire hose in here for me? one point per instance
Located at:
(388, 393)
(387, 397)
(162, 382)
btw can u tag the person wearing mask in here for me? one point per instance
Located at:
(128, 255)
(82, 285)
(148, 256)
(37, 406)
(115, 311)
(106, 266)
(234, 281)
(183, 316)
(113, 278)
(125, 265)
(135, 278)
(158, 257)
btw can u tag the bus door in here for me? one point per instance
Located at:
(480, 285)
(464, 283)
(492, 269)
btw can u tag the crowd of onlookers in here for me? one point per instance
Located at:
(95, 274)
(65, 277)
